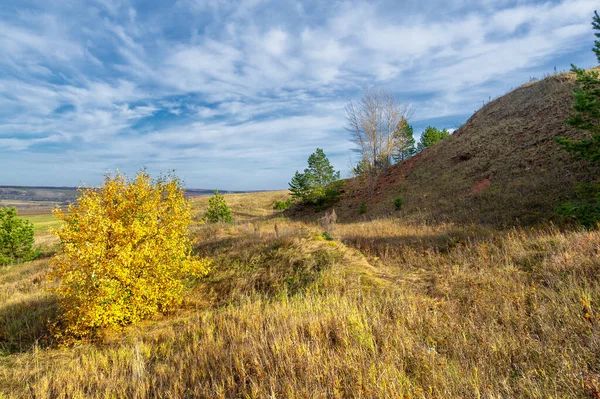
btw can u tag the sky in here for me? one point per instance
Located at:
(236, 95)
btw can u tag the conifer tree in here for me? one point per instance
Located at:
(16, 237)
(430, 136)
(299, 186)
(586, 115)
(585, 207)
(217, 210)
(404, 146)
(315, 184)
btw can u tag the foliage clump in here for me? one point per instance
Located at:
(218, 211)
(125, 253)
(431, 136)
(363, 208)
(16, 238)
(282, 205)
(319, 184)
(398, 203)
(585, 208)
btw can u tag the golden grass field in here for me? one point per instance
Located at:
(386, 310)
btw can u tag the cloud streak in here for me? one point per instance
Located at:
(238, 94)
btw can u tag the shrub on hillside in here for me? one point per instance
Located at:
(282, 205)
(16, 238)
(398, 203)
(125, 251)
(217, 210)
(585, 208)
(363, 208)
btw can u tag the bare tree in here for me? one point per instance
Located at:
(372, 122)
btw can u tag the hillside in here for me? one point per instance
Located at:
(386, 310)
(500, 168)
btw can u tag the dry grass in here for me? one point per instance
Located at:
(388, 309)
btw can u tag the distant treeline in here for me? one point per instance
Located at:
(69, 194)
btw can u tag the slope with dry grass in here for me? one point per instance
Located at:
(388, 309)
(500, 168)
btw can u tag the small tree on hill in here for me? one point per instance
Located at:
(361, 168)
(430, 136)
(585, 116)
(318, 183)
(16, 237)
(404, 142)
(125, 250)
(217, 210)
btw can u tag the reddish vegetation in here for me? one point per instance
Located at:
(482, 185)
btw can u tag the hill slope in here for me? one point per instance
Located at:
(501, 167)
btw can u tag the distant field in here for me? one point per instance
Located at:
(44, 222)
(30, 207)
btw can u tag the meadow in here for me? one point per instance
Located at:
(387, 308)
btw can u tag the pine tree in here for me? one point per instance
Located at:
(585, 207)
(430, 136)
(586, 115)
(320, 173)
(16, 237)
(404, 146)
(361, 168)
(217, 210)
(299, 186)
(317, 183)
(596, 26)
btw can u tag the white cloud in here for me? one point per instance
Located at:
(254, 83)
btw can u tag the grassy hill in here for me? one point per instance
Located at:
(500, 168)
(415, 303)
(387, 309)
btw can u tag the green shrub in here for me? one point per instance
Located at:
(363, 208)
(327, 236)
(217, 210)
(585, 208)
(282, 205)
(398, 203)
(16, 238)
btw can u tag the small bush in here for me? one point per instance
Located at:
(217, 210)
(585, 208)
(125, 253)
(363, 208)
(327, 236)
(16, 238)
(398, 203)
(282, 205)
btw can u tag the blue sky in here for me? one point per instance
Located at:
(237, 94)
